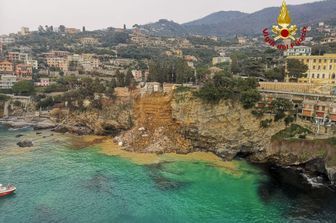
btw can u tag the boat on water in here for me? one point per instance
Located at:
(6, 190)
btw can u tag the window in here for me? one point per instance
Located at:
(313, 75)
(330, 67)
(314, 67)
(320, 61)
(315, 60)
(318, 76)
(333, 76)
(319, 67)
(323, 75)
(324, 67)
(325, 60)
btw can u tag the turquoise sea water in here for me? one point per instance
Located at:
(56, 183)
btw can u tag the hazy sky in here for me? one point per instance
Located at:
(96, 14)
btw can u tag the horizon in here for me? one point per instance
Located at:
(78, 15)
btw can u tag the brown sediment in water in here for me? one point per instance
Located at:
(108, 147)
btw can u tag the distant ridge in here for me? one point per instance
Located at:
(230, 23)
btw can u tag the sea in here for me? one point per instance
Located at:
(58, 182)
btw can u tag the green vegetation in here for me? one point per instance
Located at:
(296, 68)
(24, 88)
(80, 90)
(280, 106)
(224, 87)
(172, 70)
(3, 97)
(294, 131)
(266, 123)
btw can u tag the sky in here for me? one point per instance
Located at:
(97, 14)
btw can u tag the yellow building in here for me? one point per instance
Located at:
(321, 69)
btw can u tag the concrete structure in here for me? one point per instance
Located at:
(17, 56)
(321, 69)
(23, 71)
(72, 30)
(137, 74)
(24, 31)
(58, 62)
(322, 110)
(6, 66)
(331, 39)
(298, 51)
(89, 41)
(219, 60)
(33, 63)
(44, 82)
(151, 87)
(6, 40)
(7, 81)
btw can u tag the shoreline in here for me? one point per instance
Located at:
(108, 147)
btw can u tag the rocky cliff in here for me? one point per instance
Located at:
(229, 130)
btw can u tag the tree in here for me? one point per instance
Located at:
(61, 29)
(120, 79)
(129, 79)
(23, 88)
(249, 98)
(296, 68)
(280, 106)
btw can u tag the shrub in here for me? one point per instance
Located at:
(289, 119)
(265, 123)
(258, 113)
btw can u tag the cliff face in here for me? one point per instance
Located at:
(229, 130)
(226, 129)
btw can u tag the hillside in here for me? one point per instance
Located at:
(231, 23)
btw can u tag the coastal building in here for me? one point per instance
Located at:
(44, 82)
(151, 87)
(331, 39)
(298, 51)
(137, 74)
(72, 31)
(321, 69)
(219, 60)
(33, 63)
(6, 66)
(7, 81)
(24, 71)
(89, 41)
(24, 31)
(6, 40)
(17, 56)
(58, 62)
(319, 109)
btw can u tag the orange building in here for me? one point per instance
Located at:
(24, 71)
(6, 66)
(319, 109)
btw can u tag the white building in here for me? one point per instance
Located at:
(7, 81)
(33, 63)
(298, 51)
(219, 60)
(7, 40)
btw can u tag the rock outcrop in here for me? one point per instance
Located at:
(25, 143)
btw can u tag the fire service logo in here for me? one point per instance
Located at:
(284, 33)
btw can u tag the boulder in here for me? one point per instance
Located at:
(25, 143)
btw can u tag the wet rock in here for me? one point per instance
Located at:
(18, 136)
(45, 124)
(25, 143)
(60, 129)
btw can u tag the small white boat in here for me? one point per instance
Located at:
(7, 190)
